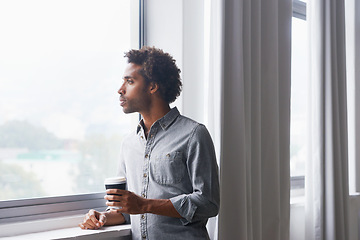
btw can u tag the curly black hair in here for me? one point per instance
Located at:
(158, 67)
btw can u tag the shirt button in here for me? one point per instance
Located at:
(145, 175)
(143, 236)
(143, 216)
(143, 195)
(142, 137)
(147, 155)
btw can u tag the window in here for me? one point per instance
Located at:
(299, 96)
(60, 123)
(61, 64)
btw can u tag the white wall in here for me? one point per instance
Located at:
(177, 27)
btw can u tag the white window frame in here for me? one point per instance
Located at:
(49, 207)
(353, 88)
(38, 209)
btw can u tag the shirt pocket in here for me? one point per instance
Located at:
(168, 168)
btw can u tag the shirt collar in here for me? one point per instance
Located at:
(165, 121)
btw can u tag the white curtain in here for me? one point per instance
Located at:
(327, 168)
(250, 59)
(214, 77)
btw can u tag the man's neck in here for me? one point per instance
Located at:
(152, 116)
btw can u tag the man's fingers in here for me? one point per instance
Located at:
(115, 191)
(102, 219)
(93, 220)
(118, 210)
(112, 197)
(89, 224)
(90, 221)
(112, 203)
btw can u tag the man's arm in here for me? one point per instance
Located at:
(133, 204)
(203, 171)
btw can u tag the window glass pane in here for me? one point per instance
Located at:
(299, 96)
(61, 125)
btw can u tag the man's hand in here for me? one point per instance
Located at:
(93, 220)
(131, 203)
(128, 201)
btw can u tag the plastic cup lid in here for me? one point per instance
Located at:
(115, 180)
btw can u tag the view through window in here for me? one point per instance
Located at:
(61, 64)
(299, 105)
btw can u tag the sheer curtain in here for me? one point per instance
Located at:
(250, 61)
(327, 167)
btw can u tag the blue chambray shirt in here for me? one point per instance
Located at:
(177, 162)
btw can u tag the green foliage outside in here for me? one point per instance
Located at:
(21, 134)
(16, 183)
(98, 160)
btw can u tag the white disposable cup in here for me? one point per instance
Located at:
(115, 183)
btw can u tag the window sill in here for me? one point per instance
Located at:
(297, 201)
(66, 231)
(119, 232)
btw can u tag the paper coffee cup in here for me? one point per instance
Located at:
(115, 183)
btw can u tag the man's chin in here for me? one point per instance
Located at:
(126, 110)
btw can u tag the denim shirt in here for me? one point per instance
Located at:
(177, 162)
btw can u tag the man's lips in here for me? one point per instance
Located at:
(122, 101)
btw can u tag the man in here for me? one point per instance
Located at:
(169, 162)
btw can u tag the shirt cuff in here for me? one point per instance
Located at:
(184, 207)
(126, 216)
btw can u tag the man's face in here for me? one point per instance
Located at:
(134, 92)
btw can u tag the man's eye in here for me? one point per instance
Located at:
(129, 81)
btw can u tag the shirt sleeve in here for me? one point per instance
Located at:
(204, 201)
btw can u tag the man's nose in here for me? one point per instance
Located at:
(121, 90)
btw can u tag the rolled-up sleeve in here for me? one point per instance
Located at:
(203, 171)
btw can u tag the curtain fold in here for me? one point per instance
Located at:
(326, 183)
(255, 122)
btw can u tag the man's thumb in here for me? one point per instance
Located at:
(102, 219)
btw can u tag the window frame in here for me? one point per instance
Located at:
(299, 9)
(32, 209)
(49, 207)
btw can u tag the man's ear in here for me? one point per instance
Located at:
(154, 87)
